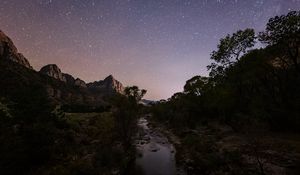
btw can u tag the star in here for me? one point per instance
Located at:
(169, 40)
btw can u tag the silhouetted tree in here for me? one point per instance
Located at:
(284, 31)
(196, 85)
(230, 50)
(176, 96)
(126, 111)
(134, 93)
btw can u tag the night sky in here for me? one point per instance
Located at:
(155, 44)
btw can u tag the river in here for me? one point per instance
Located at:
(155, 154)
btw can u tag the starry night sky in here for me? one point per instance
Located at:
(155, 44)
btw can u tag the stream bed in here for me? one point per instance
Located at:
(155, 154)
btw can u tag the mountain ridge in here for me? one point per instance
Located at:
(10, 52)
(61, 88)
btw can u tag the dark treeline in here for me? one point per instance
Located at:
(246, 87)
(245, 117)
(249, 91)
(38, 136)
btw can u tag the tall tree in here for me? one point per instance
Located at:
(196, 85)
(126, 113)
(135, 93)
(230, 49)
(284, 31)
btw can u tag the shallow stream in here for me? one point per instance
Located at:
(155, 154)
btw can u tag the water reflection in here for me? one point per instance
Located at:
(155, 155)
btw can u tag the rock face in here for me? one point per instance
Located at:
(64, 89)
(113, 85)
(76, 90)
(108, 85)
(80, 83)
(52, 70)
(69, 79)
(9, 51)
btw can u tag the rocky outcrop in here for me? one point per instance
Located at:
(80, 83)
(53, 93)
(108, 85)
(63, 89)
(9, 51)
(70, 80)
(113, 85)
(52, 70)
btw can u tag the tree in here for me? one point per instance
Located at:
(285, 31)
(230, 50)
(196, 85)
(135, 93)
(126, 113)
(4, 110)
(176, 96)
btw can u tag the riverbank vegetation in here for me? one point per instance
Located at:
(39, 138)
(243, 117)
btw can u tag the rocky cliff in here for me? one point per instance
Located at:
(16, 76)
(52, 70)
(108, 85)
(69, 79)
(9, 51)
(80, 83)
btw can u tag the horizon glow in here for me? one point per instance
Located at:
(157, 45)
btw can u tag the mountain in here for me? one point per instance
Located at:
(9, 51)
(80, 83)
(109, 85)
(147, 102)
(18, 78)
(52, 70)
(69, 78)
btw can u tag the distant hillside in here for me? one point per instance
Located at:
(147, 102)
(17, 75)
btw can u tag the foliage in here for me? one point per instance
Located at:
(230, 50)
(197, 85)
(79, 108)
(284, 30)
(4, 110)
(38, 137)
(249, 91)
(126, 112)
(134, 93)
(29, 137)
(246, 88)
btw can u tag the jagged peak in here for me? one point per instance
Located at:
(9, 51)
(80, 83)
(109, 84)
(2, 34)
(78, 79)
(50, 65)
(110, 77)
(54, 71)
